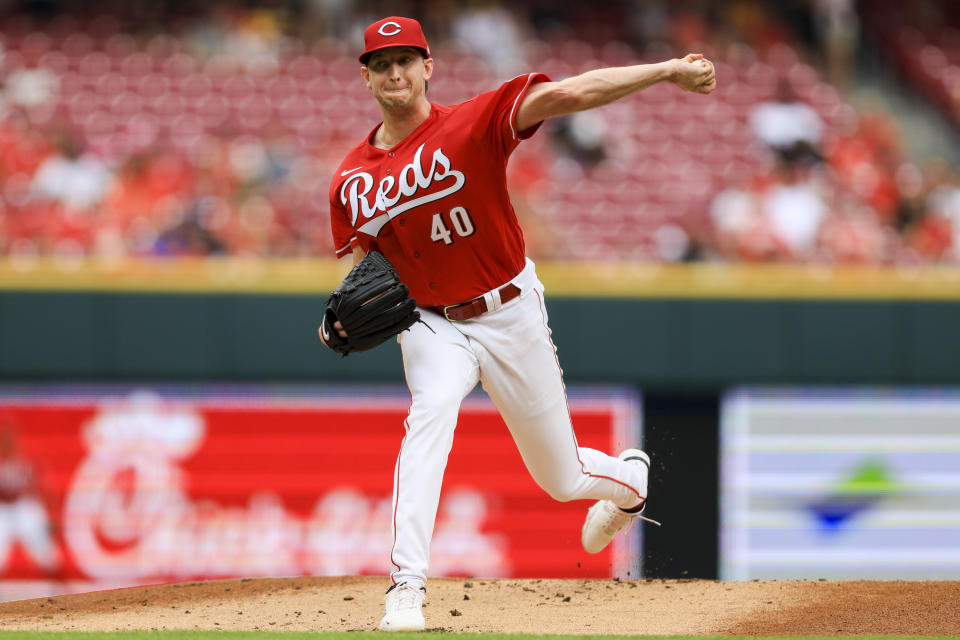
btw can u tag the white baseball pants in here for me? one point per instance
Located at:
(508, 350)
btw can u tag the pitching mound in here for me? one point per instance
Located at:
(512, 606)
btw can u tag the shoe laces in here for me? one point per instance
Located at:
(620, 521)
(405, 596)
(645, 519)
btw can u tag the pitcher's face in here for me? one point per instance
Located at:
(397, 76)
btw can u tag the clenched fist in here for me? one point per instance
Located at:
(695, 73)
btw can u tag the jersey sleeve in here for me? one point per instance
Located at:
(498, 111)
(344, 236)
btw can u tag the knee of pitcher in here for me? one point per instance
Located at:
(561, 493)
(430, 414)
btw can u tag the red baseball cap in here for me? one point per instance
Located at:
(393, 32)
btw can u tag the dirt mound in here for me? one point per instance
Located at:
(512, 606)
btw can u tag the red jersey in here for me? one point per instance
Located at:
(436, 204)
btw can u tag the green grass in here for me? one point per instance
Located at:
(369, 635)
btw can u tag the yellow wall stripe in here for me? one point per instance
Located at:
(628, 280)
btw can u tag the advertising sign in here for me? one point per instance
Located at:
(107, 487)
(840, 484)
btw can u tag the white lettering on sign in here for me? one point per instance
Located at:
(128, 515)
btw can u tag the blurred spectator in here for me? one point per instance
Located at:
(838, 28)
(189, 237)
(742, 230)
(326, 18)
(4, 101)
(23, 515)
(933, 238)
(787, 125)
(75, 179)
(582, 136)
(940, 229)
(911, 204)
(22, 148)
(854, 234)
(795, 209)
(672, 243)
(252, 38)
(866, 159)
(649, 23)
(213, 129)
(31, 86)
(487, 29)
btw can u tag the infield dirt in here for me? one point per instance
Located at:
(658, 607)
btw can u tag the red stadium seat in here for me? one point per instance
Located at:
(77, 45)
(313, 132)
(254, 112)
(142, 131)
(70, 85)
(213, 109)
(304, 68)
(35, 44)
(119, 45)
(167, 106)
(294, 108)
(136, 65)
(238, 87)
(100, 123)
(186, 131)
(194, 87)
(802, 78)
(95, 64)
(782, 56)
(151, 87)
(126, 104)
(178, 65)
(343, 70)
(81, 105)
(55, 61)
(279, 87)
(109, 85)
(617, 54)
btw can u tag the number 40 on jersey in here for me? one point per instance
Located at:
(458, 219)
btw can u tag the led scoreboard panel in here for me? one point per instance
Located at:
(840, 484)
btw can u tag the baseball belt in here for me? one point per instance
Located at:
(477, 306)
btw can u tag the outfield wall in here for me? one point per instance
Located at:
(671, 344)
(670, 328)
(679, 335)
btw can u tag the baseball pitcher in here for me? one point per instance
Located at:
(422, 205)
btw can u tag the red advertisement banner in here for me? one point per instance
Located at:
(139, 487)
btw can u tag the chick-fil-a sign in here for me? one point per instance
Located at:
(147, 485)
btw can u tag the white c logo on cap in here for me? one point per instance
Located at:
(382, 28)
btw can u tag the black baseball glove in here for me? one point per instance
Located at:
(372, 305)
